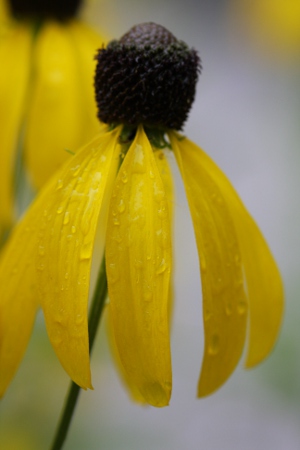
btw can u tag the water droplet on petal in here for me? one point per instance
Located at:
(124, 176)
(73, 229)
(76, 170)
(138, 264)
(59, 209)
(86, 252)
(228, 309)
(207, 314)
(41, 250)
(59, 184)
(242, 307)
(121, 206)
(113, 274)
(203, 263)
(79, 319)
(162, 267)
(66, 218)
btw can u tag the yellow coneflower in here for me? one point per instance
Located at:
(145, 86)
(46, 92)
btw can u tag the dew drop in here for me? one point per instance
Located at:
(207, 314)
(113, 273)
(124, 177)
(203, 263)
(79, 319)
(161, 269)
(66, 218)
(138, 264)
(41, 250)
(121, 206)
(76, 170)
(162, 212)
(228, 309)
(242, 307)
(73, 229)
(59, 209)
(85, 252)
(40, 267)
(59, 184)
(116, 221)
(214, 344)
(69, 237)
(66, 275)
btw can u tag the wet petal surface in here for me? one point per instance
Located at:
(138, 261)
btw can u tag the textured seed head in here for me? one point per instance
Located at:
(57, 9)
(147, 77)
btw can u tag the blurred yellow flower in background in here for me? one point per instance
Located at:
(273, 25)
(46, 92)
(145, 85)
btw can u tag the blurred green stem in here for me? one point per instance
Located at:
(74, 390)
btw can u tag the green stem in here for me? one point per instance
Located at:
(74, 390)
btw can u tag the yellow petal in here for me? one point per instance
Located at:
(131, 387)
(138, 264)
(224, 300)
(18, 303)
(15, 54)
(264, 284)
(167, 179)
(54, 122)
(50, 254)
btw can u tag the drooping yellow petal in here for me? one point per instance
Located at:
(54, 122)
(86, 44)
(138, 263)
(264, 284)
(127, 381)
(167, 179)
(48, 260)
(224, 299)
(15, 51)
(18, 302)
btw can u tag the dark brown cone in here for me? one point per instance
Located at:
(147, 77)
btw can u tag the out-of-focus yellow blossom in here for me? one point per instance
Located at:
(47, 261)
(3, 11)
(274, 25)
(46, 94)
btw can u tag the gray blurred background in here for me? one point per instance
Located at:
(246, 117)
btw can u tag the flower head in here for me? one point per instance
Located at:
(47, 260)
(46, 92)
